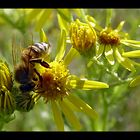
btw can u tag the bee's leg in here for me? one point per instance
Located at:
(39, 60)
(40, 77)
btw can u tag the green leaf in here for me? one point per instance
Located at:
(108, 17)
(80, 13)
(34, 13)
(125, 62)
(84, 107)
(99, 50)
(109, 54)
(57, 116)
(71, 55)
(61, 46)
(43, 37)
(135, 82)
(86, 84)
(93, 22)
(63, 24)
(42, 19)
(65, 14)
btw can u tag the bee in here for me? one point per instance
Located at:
(26, 75)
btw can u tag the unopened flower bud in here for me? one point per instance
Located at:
(83, 37)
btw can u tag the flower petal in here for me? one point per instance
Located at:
(71, 105)
(125, 62)
(135, 82)
(86, 84)
(70, 55)
(84, 107)
(57, 116)
(61, 46)
(120, 26)
(131, 43)
(70, 115)
(99, 50)
(132, 54)
(109, 54)
(43, 37)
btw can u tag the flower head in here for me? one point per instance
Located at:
(55, 83)
(109, 37)
(82, 36)
(7, 102)
(110, 43)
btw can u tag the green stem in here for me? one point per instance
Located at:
(106, 69)
(105, 113)
(121, 82)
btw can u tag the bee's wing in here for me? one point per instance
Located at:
(16, 51)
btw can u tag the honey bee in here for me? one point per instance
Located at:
(26, 75)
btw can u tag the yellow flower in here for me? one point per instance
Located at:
(83, 37)
(55, 86)
(110, 42)
(7, 102)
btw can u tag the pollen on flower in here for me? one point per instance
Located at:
(53, 83)
(109, 37)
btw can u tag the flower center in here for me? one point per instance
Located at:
(109, 37)
(53, 81)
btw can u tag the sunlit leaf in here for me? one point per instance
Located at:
(109, 54)
(93, 22)
(108, 17)
(45, 15)
(71, 55)
(99, 50)
(43, 37)
(33, 14)
(135, 82)
(63, 24)
(80, 13)
(125, 62)
(61, 46)
(120, 26)
(65, 14)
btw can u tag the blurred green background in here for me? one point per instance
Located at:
(123, 113)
